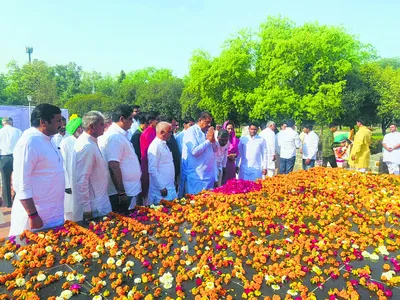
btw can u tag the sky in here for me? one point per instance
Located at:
(108, 36)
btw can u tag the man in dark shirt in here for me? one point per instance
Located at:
(135, 140)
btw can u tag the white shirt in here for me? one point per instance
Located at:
(57, 138)
(391, 139)
(89, 178)
(310, 145)
(288, 141)
(269, 136)
(115, 146)
(161, 171)
(198, 160)
(38, 174)
(9, 137)
(252, 158)
(179, 139)
(67, 151)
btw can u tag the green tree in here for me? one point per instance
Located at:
(83, 103)
(68, 80)
(302, 70)
(152, 89)
(223, 83)
(35, 79)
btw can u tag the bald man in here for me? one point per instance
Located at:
(161, 166)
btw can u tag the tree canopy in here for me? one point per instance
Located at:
(279, 71)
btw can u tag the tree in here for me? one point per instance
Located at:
(302, 70)
(83, 103)
(121, 77)
(153, 89)
(3, 86)
(359, 99)
(95, 82)
(35, 79)
(223, 83)
(68, 80)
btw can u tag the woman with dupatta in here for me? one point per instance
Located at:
(233, 152)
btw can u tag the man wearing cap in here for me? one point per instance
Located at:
(74, 129)
(9, 137)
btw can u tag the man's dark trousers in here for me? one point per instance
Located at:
(6, 168)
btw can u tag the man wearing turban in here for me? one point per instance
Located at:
(74, 129)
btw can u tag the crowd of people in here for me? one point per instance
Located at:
(100, 163)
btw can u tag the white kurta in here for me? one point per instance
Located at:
(115, 146)
(67, 152)
(161, 172)
(198, 161)
(89, 179)
(391, 139)
(252, 159)
(38, 174)
(269, 136)
(310, 145)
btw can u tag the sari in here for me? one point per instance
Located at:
(233, 148)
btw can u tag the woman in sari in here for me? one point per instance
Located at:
(233, 152)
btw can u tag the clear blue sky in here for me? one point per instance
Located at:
(108, 36)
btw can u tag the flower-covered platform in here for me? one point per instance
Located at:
(320, 234)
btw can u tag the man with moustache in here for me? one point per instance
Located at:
(90, 172)
(74, 129)
(124, 183)
(198, 158)
(38, 177)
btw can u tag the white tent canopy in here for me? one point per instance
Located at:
(20, 115)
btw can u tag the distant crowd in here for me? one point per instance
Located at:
(100, 163)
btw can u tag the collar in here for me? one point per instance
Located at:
(160, 141)
(118, 129)
(89, 137)
(37, 132)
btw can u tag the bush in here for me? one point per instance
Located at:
(376, 144)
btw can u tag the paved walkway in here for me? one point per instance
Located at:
(5, 216)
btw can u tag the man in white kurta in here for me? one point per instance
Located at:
(268, 134)
(252, 159)
(198, 159)
(124, 183)
(391, 150)
(67, 145)
(161, 166)
(310, 147)
(90, 172)
(38, 177)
